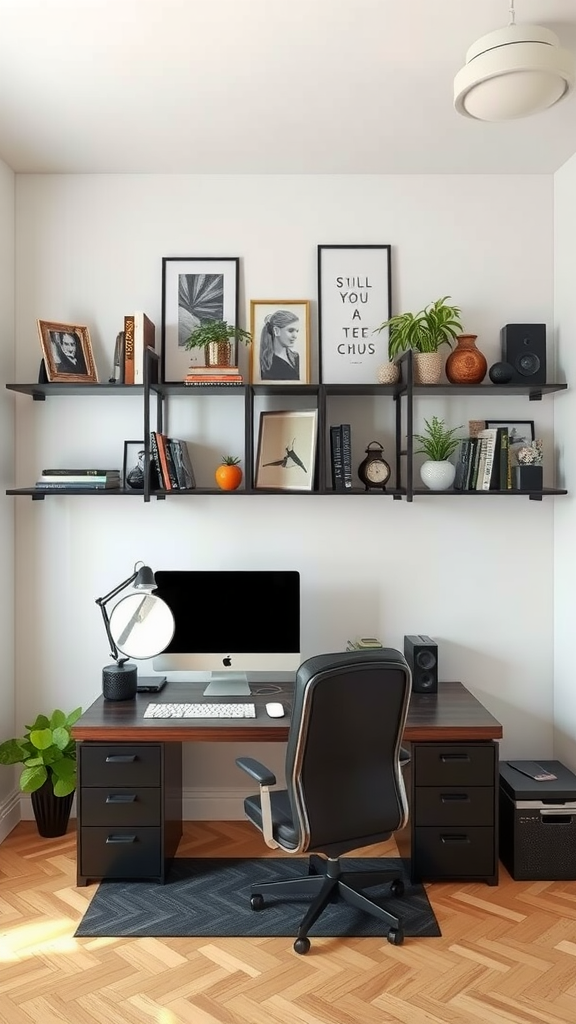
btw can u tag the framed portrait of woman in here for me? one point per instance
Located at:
(67, 352)
(280, 350)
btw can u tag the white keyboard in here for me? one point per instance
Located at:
(219, 710)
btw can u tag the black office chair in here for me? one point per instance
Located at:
(344, 781)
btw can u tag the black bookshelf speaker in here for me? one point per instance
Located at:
(524, 348)
(421, 653)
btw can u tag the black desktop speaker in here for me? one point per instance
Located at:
(421, 653)
(524, 348)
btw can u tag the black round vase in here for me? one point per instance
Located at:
(501, 373)
(119, 682)
(52, 812)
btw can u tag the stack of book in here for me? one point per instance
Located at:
(85, 479)
(171, 461)
(484, 462)
(364, 643)
(228, 375)
(341, 457)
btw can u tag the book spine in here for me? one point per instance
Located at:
(505, 474)
(336, 458)
(80, 472)
(128, 349)
(462, 465)
(176, 455)
(156, 458)
(347, 455)
(164, 472)
(187, 466)
(213, 383)
(144, 337)
(472, 462)
(172, 475)
(77, 479)
(52, 485)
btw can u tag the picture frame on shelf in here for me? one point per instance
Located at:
(354, 299)
(280, 350)
(67, 352)
(287, 442)
(520, 433)
(133, 466)
(195, 290)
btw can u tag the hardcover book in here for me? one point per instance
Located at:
(128, 349)
(144, 337)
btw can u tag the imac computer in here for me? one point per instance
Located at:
(228, 623)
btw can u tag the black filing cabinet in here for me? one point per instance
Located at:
(129, 809)
(453, 812)
(538, 823)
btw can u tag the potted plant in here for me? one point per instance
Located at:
(424, 332)
(214, 336)
(48, 754)
(438, 444)
(528, 472)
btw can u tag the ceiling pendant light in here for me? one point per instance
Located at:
(513, 72)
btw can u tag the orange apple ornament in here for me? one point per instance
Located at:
(229, 475)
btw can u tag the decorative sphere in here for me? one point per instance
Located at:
(501, 373)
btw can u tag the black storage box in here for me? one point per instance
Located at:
(538, 823)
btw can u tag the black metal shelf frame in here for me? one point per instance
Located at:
(406, 389)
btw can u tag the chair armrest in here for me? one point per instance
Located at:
(257, 771)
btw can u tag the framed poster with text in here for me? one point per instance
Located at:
(354, 298)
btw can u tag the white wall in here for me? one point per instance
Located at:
(564, 540)
(8, 798)
(474, 573)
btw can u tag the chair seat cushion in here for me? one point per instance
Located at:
(283, 828)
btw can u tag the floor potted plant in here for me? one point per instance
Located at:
(438, 444)
(48, 754)
(424, 332)
(216, 336)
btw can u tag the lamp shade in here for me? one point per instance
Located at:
(512, 73)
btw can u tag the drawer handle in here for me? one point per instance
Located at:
(120, 798)
(120, 758)
(120, 839)
(455, 839)
(446, 758)
(447, 798)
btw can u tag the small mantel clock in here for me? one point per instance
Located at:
(374, 471)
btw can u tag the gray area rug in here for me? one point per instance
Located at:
(211, 897)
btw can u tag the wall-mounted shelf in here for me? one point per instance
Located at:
(403, 394)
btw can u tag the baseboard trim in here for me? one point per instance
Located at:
(9, 814)
(213, 804)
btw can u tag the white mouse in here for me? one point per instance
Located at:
(275, 710)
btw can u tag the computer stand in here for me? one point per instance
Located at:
(228, 684)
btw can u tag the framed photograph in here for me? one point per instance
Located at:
(67, 352)
(280, 350)
(133, 466)
(286, 451)
(354, 299)
(520, 433)
(195, 289)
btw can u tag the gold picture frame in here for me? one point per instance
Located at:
(280, 350)
(67, 352)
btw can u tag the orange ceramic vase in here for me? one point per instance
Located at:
(466, 364)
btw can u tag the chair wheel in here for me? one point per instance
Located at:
(257, 901)
(397, 887)
(302, 946)
(396, 936)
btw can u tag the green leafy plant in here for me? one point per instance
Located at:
(437, 443)
(216, 331)
(230, 460)
(47, 751)
(435, 325)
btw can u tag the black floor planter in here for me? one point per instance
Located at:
(52, 813)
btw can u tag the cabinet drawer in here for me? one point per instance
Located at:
(120, 852)
(108, 807)
(119, 764)
(454, 805)
(449, 764)
(449, 852)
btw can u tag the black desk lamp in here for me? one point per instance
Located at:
(119, 681)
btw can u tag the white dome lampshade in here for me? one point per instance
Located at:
(513, 72)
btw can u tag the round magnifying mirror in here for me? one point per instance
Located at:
(141, 625)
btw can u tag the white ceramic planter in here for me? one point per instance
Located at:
(438, 476)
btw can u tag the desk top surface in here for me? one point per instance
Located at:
(453, 714)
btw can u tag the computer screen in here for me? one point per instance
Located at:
(229, 622)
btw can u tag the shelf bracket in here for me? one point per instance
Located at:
(535, 396)
(535, 497)
(38, 497)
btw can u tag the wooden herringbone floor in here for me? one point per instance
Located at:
(507, 955)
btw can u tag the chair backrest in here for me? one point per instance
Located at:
(342, 760)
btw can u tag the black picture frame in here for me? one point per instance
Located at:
(354, 299)
(131, 462)
(520, 432)
(195, 289)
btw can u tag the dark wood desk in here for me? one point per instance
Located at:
(129, 793)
